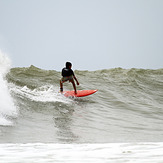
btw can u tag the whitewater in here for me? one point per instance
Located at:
(122, 122)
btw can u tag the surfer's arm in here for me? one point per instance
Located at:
(76, 80)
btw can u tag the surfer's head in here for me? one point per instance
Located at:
(68, 65)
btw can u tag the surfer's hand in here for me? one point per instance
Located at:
(77, 83)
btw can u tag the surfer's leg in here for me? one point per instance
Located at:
(73, 83)
(64, 79)
(74, 87)
(61, 86)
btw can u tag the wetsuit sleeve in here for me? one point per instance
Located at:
(72, 72)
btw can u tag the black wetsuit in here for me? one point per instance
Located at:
(67, 72)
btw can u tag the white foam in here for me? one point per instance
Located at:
(69, 153)
(5, 63)
(42, 94)
(7, 107)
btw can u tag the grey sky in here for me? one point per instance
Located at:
(92, 34)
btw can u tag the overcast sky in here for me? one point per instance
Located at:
(92, 34)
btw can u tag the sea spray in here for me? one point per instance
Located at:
(7, 107)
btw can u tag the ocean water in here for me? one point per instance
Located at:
(122, 122)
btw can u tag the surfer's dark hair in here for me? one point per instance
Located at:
(68, 64)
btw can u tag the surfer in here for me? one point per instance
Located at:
(68, 75)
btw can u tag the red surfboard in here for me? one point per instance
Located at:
(80, 93)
